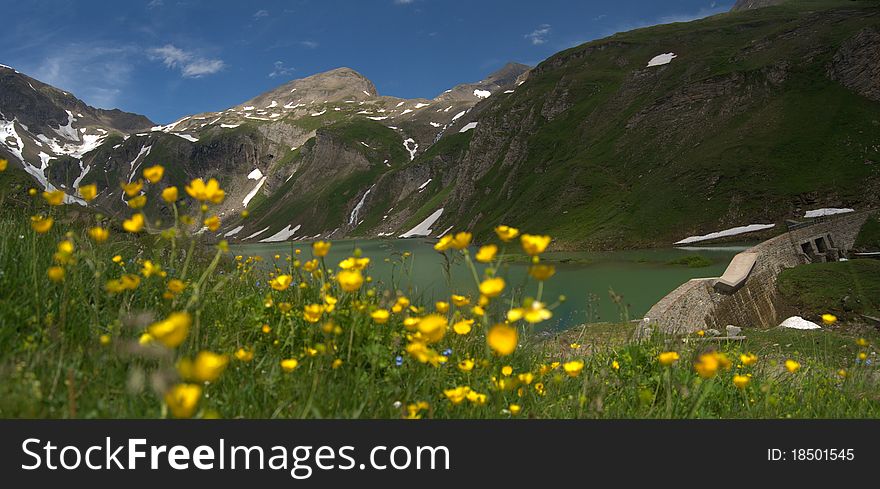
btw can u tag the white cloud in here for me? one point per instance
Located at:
(403, 2)
(539, 35)
(189, 64)
(280, 70)
(98, 74)
(155, 4)
(309, 44)
(259, 14)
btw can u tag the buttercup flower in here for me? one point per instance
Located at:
(41, 224)
(206, 192)
(183, 400)
(506, 233)
(312, 312)
(486, 253)
(707, 365)
(380, 316)
(441, 307)
(321, 248)
(829, 319)
(463, 327)
(748, 359)
(169, 194)
(502, 339)
(668, 358)
(432, 327)
(135, 224)
(461, 240)
(281, 282)
(350, 280)
(534, 244)
(154, 173)
(492, 287)
(176, 286)
(88, 192)
(290, 364)
(55, 197)
(792, 366)
(3, 164)
(208, 366)
(741, 381)
(99, 234)
(460, 300)
(133, 188)
(55, 273)
(138, 202)
(573, 368)
(466, 365)
(244, 355)
(212, 223)
(172, 331)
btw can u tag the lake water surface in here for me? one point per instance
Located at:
(640, 277)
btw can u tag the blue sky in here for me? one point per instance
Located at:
(169, 58)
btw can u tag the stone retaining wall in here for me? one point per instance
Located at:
(696, 304)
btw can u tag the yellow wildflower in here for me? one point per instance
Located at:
(792, 366)
(573, 368)
(212, 223)
(668, 358)
(492, 287)
(202, 191)
(281, 282)
(441, 307)
(133, 188)
(244, 355)
(506, 233)
(171, 331)
(208, 366)
(534, 244)
(138, 202)
(460, 300)
(461, 240)
(514, 409)
(150, 269)
(707, 365)
(486, 253)
(55, 273)
(380, 316)
(748, 359)
(321, 248)
(290, 364)
(350, 280)
(312, 312)
(99, 234)
(41, 224)
(88, 192)
(466, 365)
(432, 327)
(183, 399)
(741, 381)
(829, 319)
(135, 224)
(154, 173)
(55, 197)
(502, 339)
(169, 194)
(176, 286)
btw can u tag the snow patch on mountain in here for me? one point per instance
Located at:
(830, 211)
(468, 127)
(282, 235)
(411, 147)
(253, 192)
(727, 232)
(424, 228)
(661, 59)
(482, 93)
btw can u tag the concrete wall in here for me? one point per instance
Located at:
(697, 305)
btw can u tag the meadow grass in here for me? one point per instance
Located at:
(158, 324)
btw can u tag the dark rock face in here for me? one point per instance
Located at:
(753, 4)
(856, 65)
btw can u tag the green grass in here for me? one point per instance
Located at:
(716, 159)
(53, 363)
(845, 288)
(868, 238)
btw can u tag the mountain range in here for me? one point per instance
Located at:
(639, 139)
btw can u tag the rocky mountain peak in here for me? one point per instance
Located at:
(333, 85)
